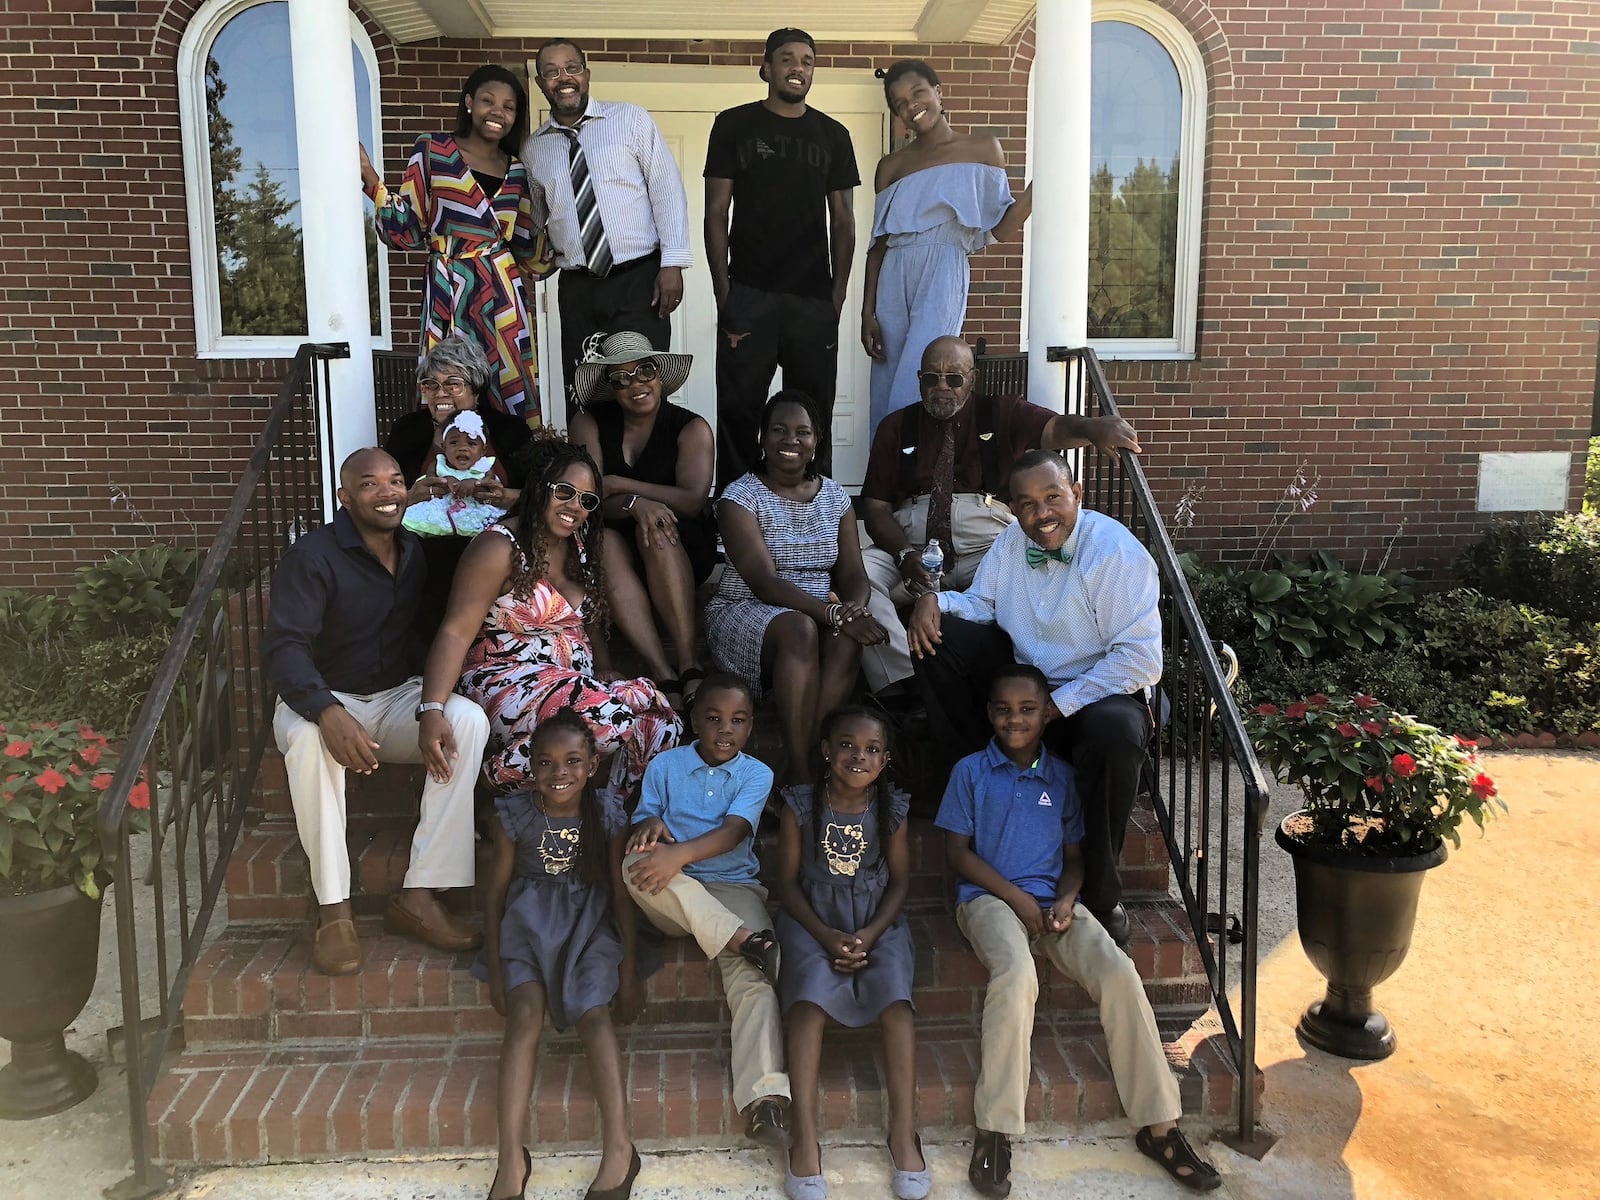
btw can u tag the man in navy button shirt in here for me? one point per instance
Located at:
(340, 651)
(1012, 827)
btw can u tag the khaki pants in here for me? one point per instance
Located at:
(1085, 953)
(974, 525)
(441, 850)
(712, 913)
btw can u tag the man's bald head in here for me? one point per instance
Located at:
(369, 460)
(950, 359)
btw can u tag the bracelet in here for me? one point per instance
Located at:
(903, 554)
(832, 615)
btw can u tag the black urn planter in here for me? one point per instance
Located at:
(50, 948)
(1355, 915)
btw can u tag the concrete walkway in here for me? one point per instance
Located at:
(1488, 1096)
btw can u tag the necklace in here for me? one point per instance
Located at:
(558, 845)
(843, 842)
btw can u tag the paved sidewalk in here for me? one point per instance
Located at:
(1489, 1096)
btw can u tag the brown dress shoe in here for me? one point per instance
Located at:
(443, 933)
(338, 949)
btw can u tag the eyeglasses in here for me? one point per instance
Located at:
(450, 383)
(553, 72)
(951, 379)
(566, 493)
(644, 373)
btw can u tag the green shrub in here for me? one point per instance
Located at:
(134, 593)
(1591, 478)
(1551, 563)
(101, 682)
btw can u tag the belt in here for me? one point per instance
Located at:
(617, 268)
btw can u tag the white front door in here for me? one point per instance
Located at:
(684, 101)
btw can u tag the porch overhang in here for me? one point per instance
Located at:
(988, 22)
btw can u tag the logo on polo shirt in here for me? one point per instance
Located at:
(1044, 800)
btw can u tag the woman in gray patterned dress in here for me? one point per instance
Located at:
(792, 605)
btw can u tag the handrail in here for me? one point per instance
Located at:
(210, 739)
(1201, 737)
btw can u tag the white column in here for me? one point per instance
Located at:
(332, 220)
(1058, 235)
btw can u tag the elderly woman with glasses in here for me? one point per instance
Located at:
(453, 378)
(656, 461)
(526, 631)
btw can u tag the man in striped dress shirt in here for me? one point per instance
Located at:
(1073, 593)
(607, 191)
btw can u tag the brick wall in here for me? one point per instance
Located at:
(1398, 272)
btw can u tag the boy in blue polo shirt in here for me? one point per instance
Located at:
(1012, 827)
(691, 866)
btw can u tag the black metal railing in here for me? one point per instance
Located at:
(198, 741)
(1209, 794)
(394, 388)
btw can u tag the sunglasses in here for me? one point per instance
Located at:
(951, 379)
(644, 373)
(565, 492)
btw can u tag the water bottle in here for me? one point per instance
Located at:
(933, 563)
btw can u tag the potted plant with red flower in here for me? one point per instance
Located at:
(52, 775)
(1383, 792)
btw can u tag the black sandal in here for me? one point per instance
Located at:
(1178, 1159)
(766, 1125)
(761, 948)
(990, 1169)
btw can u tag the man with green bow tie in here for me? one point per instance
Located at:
(1073, 593)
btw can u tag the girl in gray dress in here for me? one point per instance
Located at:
(555, 940)
(845, 866)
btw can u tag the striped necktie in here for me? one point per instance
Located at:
(596, 251)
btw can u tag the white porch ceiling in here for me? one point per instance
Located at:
(829, 21)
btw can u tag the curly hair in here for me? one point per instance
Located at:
(594, 855)
(785, 396)
(547, 459)
(845, 712)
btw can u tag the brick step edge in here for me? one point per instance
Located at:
(295, 1104)
(247, 989)
(268, 878)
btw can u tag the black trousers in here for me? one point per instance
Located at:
(799, 334)
(591, 305)
(1107, 742)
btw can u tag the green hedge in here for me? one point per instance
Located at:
(1551, 562)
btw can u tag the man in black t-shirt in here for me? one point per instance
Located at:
(786, 171)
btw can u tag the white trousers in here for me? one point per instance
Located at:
(974, 524)
(441, 850)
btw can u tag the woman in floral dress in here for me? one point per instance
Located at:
(527, 595)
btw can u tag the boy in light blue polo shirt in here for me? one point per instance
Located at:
(1012, 826)
(691, 867)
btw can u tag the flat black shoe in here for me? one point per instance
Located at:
(990, 1169)
(1116, 923)
(527, 1174)
(768, 1126)
(761, 948)
(624, 1189)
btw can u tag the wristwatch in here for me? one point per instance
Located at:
(429, 706)
(901, 556)
(627, 505)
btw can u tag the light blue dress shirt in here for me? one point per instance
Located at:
(693, 798)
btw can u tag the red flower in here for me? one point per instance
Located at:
(1364, 701)
(1483, 787)
(1347, 730)
(1295, 710)
(19, 749)
(100, 782)
(1375, 728)
(1405, 766)
(1265, 710)
(140, 796)
(1317, 701)
(1466, 743)
(51, 780)
(74, 769)
(91, 754)
(1375, 782)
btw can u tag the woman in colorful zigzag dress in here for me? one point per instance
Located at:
(465, 198)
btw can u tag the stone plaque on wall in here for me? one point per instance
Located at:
(1531, 481)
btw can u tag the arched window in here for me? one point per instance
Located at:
(242, 179)
(1147, 119)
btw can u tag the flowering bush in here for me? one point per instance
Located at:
(52, 776)
(1375, 780)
